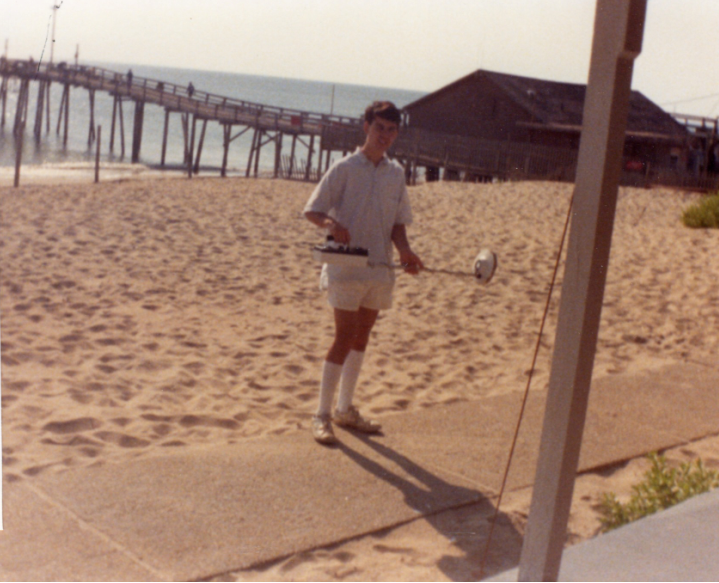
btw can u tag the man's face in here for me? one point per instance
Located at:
(381, 134)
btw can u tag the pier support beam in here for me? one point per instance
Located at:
(190, 151)
(278, 153)
(292, 155)
(121, 119)
(137, 130)
(64, 113)
(255, 141)
(258, 149)
(47, 106)
(164, 138)
(227, 140)
(309, 157)
(21, 108)
(226, 132)
(196, 167)
(112, 125)
(91, 129)
(39, 110)
(3, 99)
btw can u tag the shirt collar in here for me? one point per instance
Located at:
(366, 160)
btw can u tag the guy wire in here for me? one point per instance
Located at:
(526, 394)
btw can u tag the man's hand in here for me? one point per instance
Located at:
(411, 262)
(334, 228)
(338, 232)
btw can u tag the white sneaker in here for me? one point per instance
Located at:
(322, 430)
(353, 420)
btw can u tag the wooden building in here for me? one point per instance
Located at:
(508, 108)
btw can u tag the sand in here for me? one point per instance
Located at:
(142, 315)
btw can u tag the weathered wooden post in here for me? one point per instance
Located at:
(309, 156)
(67, 117)
(278, 152)
(226, 133)
(112, 125)
(21, 108)
(191, 145)
(255, 141)
(91, 128)
(618, 31)
(47, 106)
(199, 147)
(39, 110)
(258, 151)
(3, 98)
(292, 155)
(164, 137)
(64, 113)
(18, 154)
(137, 130)
(97, 155)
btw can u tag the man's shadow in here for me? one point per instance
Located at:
(464, 520)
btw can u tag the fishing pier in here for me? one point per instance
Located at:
(292, 132)
(269, 125)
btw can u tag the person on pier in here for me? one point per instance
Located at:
(362, 199)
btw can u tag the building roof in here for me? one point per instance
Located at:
(557, 105)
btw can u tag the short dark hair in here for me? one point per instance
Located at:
(384, 109)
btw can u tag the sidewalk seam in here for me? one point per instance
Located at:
(83, 524)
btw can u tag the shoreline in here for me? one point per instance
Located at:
(49, 174)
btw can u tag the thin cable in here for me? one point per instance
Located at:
(690, 99)
(526, 392)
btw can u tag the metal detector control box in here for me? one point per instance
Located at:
(334, 254)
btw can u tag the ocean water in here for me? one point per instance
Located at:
(313, 96)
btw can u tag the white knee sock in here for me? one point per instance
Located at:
(350, 374)
(331, 374)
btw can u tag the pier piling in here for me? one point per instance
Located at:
(39, 110)
(3, 99)
(164, 138)
(91, 129)
(21, 108)
(137, 130)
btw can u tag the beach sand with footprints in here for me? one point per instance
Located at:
(142, 316)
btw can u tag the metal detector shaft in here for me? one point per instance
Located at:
(449, 272)
(428, 269)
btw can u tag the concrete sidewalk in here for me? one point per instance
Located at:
(198, 513)
(678, 544)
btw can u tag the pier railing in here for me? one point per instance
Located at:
(178, 98)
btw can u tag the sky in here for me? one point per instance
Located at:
(408, 44)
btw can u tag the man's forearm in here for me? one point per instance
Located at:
(322, 220)
(399, 238)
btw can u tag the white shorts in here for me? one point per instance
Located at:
(353, 295)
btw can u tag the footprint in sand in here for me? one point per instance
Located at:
(72, 426)
(121, 439)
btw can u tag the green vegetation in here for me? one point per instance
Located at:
(704, 214)
(661, 488)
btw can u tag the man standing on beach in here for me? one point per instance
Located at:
(363, 200)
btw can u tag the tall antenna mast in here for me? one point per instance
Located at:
(52, 44)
